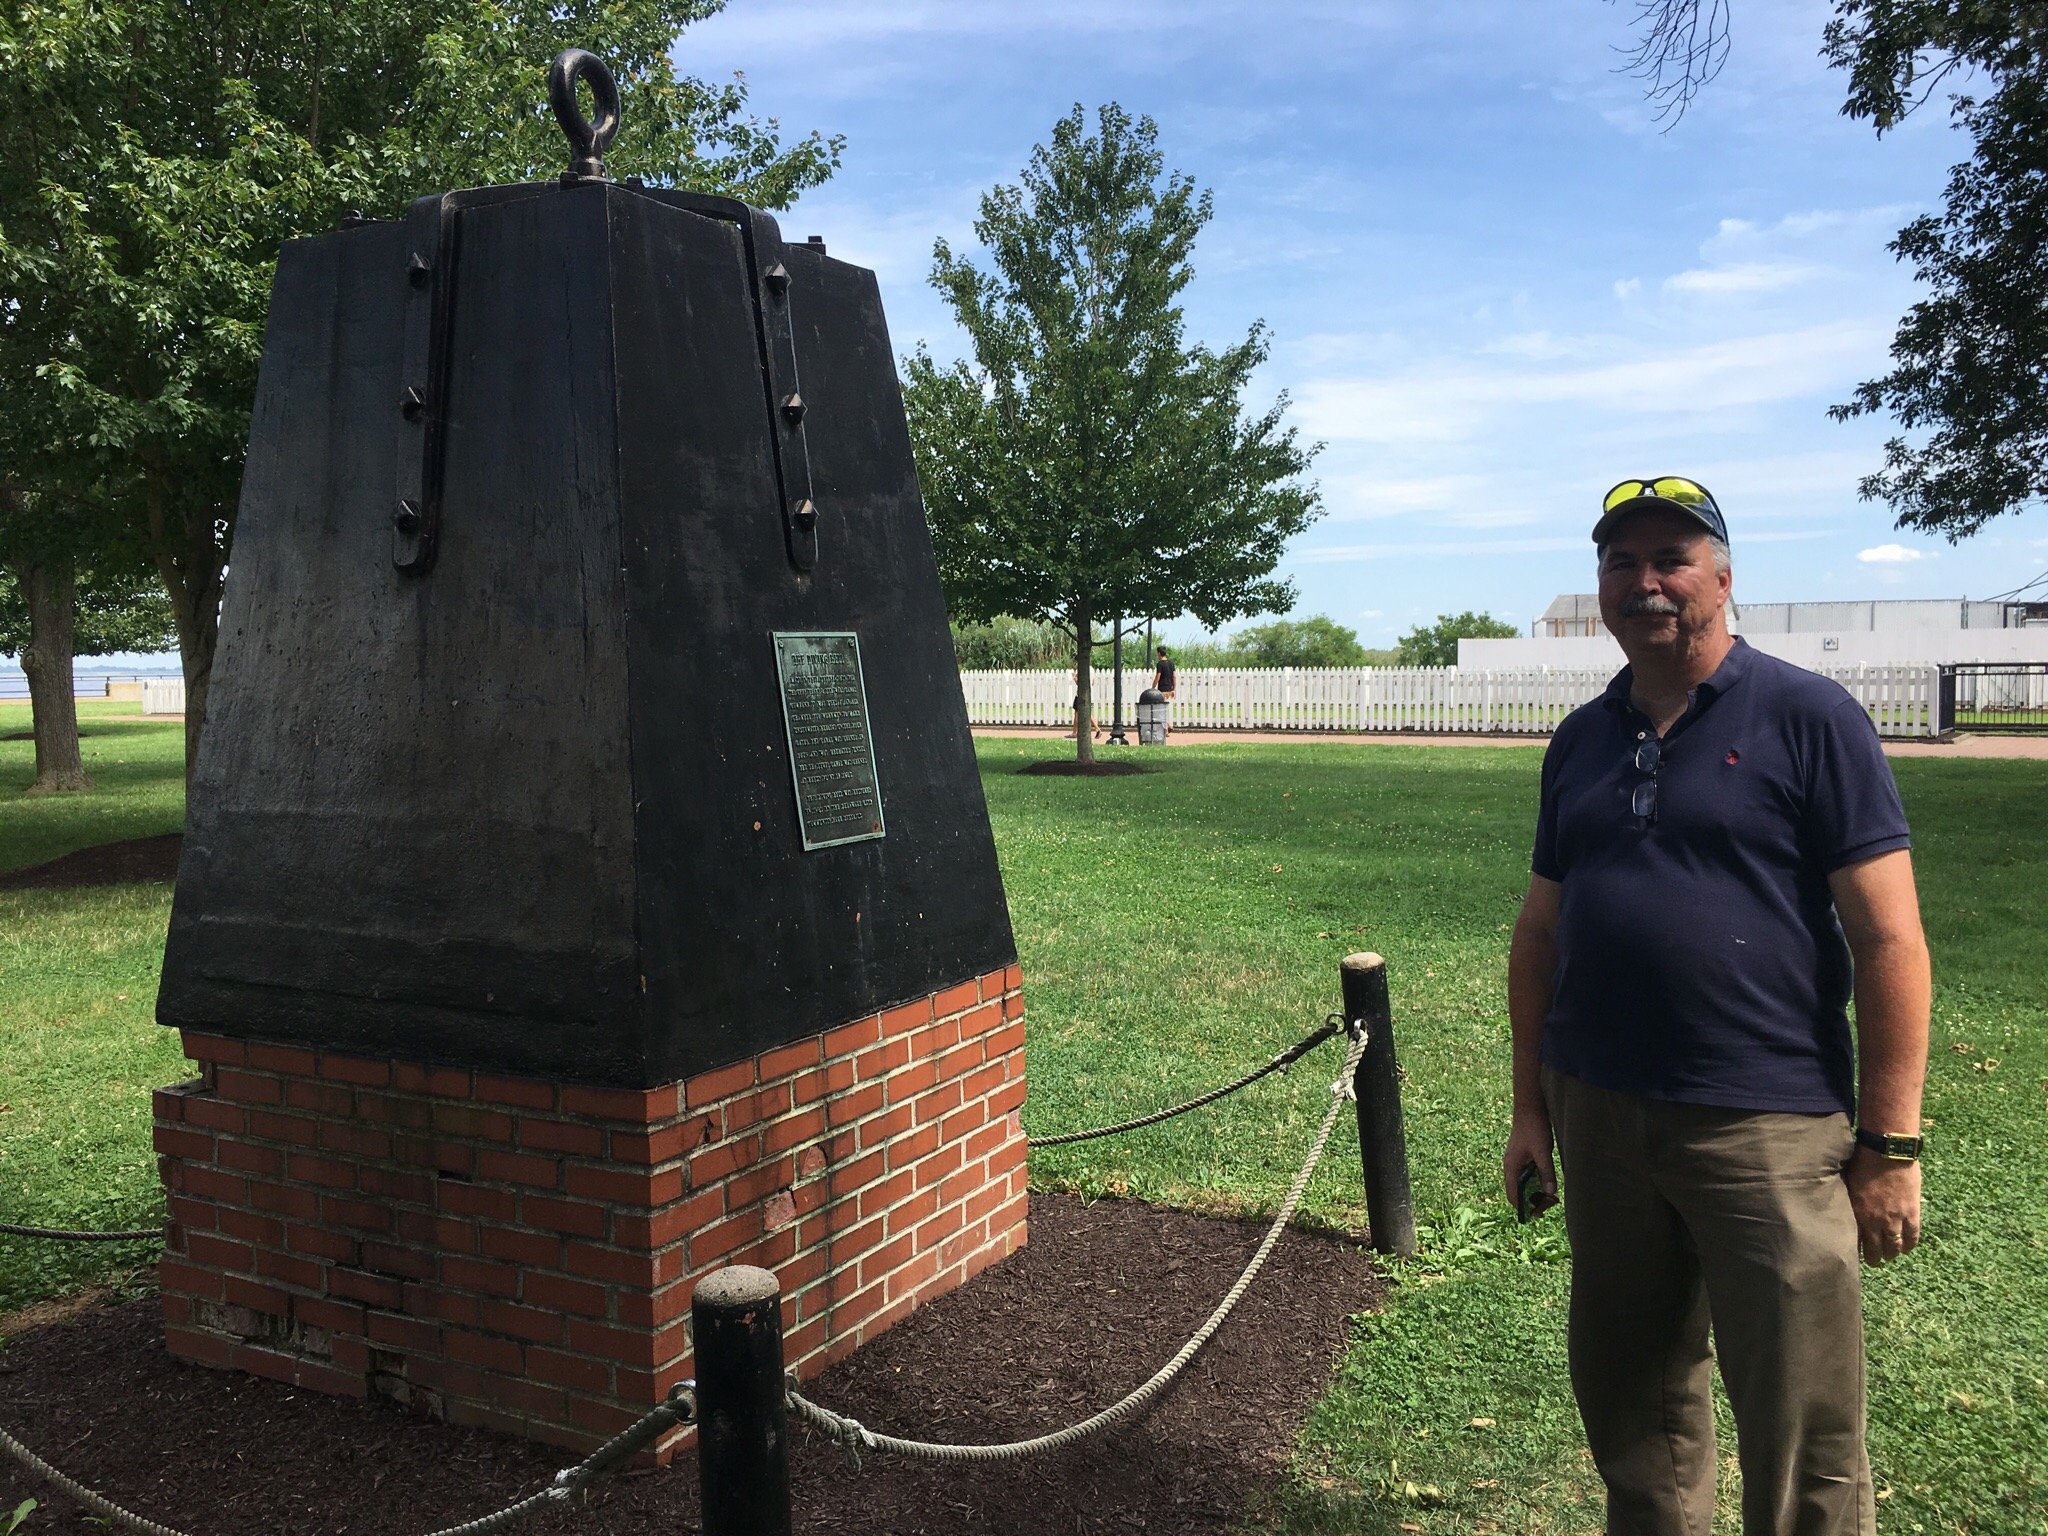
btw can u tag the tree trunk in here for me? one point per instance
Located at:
(1084, 684)
(50, 590)
(188, 562)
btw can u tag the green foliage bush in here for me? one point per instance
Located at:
(1436, 645)
(1007, 643)
(1317, 641)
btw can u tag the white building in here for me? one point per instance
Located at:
(1911, 632)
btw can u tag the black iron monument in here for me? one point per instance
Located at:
(585, 705)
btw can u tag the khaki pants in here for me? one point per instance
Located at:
(1683, 1216)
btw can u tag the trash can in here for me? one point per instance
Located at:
(1152, 718)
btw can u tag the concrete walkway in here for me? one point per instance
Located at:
(2035, 747)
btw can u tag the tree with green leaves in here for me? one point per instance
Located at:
(155, 154)
(1089, 462)
(53, 610)
(1969, 377)
(1316, 641)
(1436, 645)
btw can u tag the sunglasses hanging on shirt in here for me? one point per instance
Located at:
(1648, 759)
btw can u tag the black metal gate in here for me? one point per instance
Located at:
(1994, 696)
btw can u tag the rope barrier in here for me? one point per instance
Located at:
(679, 1410)
(1331, 1026)
(854, 1437)
(63, 1234)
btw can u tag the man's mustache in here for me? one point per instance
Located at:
(1631, 607)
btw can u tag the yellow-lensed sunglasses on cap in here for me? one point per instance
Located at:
(1683, 495)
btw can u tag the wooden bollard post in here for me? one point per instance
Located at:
(742, 1426)
(1382, 1141)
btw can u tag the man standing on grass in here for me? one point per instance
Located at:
(1719, 838)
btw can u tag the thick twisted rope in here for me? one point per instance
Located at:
(68, 1235)
(855, 1437)
(1293, 1053)
(680, 1409)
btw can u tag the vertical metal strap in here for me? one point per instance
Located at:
(423, 382)
(786, 404)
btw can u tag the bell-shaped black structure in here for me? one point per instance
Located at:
(584, 705)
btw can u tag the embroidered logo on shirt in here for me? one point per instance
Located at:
(1734, 757)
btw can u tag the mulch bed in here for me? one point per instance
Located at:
(139, 858)
(1100, 1298)
(1068, 768)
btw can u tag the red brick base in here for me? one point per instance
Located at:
(512, 1253)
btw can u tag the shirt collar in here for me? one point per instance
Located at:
(1735, 666)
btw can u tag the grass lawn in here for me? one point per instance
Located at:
(1178, 927)
(79, 1048)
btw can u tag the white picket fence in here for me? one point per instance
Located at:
(1901, 700)
(1522, 701)
(163, 695)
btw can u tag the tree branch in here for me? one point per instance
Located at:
(1684, 44)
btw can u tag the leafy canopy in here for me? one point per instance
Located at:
(1088, 460)
(1436, 645)
(126, 612)
(1316, 641)
(155, 154)
(1969, 378)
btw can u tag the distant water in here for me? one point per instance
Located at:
(90, 681)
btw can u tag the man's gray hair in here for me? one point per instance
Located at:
(1717, 547)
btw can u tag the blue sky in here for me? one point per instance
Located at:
(1495, 286)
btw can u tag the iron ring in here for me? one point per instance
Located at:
(587, 140)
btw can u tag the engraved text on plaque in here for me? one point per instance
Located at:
(831, 753)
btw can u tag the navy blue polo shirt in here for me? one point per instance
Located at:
(1699, 957)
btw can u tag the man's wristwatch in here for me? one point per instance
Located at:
(1900, 1149)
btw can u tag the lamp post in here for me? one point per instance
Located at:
(1116, 684)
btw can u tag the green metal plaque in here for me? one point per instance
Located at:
(831, 749)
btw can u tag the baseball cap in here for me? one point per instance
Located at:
(1675, 493)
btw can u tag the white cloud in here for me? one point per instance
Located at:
(1888, 554)
(1744, 278)
(1539, 544)
(1437, 404)
(1742, 238)
(1782, 487)
(1788, 535)
(1341, 554)
(1492, 517)
(1366, 497)
(1536, 346)
(1628, 288)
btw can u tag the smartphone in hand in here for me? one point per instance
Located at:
(1531, 1199)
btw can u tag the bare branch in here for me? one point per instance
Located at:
(1682, 46)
